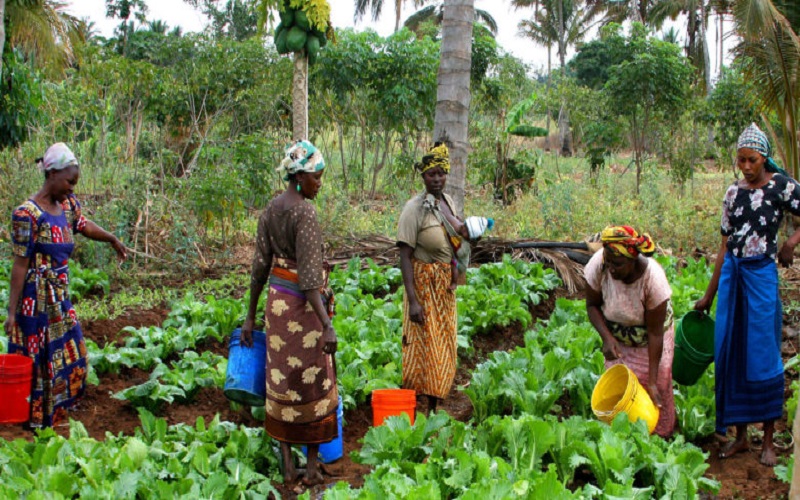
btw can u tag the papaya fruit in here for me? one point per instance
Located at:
(312, 48)
(301, 20)
(296, 39)
(323, 40)
(280, 41)
(287, 17)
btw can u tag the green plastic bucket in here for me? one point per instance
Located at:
(694, 347)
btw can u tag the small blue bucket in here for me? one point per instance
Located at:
(332, 450)
(245, 379)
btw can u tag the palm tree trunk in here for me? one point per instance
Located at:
(636, 13)
(453, 93)
(300, 97)
(704, 46)
(565, 145)
(398, 7)
(2, 33)
(549, 84)
(721, 36)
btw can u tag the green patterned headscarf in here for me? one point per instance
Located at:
(753, 138)
(302, 156)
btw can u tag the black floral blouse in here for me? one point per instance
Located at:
(751, 217)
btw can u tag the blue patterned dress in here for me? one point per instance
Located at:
(47, 329)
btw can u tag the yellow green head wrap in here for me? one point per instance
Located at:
(437, 156)
(625, 241)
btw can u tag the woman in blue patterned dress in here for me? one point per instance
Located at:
(41, 322)
(747, 351)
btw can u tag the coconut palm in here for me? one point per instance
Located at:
(769, 53)
(722, 9)
(622, 10)
(696, 12)
(562, 23)
(435, 13)
(376, 7)
(42, 31)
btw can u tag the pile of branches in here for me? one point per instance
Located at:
(567, 258)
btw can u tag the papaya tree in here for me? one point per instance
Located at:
(303, 29)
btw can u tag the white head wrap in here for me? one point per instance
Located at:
(58, 157)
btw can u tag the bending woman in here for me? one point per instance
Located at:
(628, 303)
(429, 302)
(302, 397)
(41, 322)
(747, 336)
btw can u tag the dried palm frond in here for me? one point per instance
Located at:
(571, 272)
(565, 257)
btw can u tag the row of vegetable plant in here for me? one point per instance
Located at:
(532, 429)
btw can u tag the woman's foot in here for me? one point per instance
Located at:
(733, 448)
(768, 456)
(290, 474)
(313, 479)
(721, 438)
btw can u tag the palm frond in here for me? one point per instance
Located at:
(361, 7)
(44, 32)
(487, 19)
(414, 21)
(769, 51)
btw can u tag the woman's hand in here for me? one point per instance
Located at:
(786, 255)
(246, 337)
(122, 252)
(704, 304)
(329, 342)
(416, 313)
(10, 324)
(655, 394)
(611, 349)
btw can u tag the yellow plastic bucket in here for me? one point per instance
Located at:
(619, 390)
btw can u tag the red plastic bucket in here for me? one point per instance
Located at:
(16, 375)
(390, 402)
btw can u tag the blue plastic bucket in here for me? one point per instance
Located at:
(245, 379)
(332, 450)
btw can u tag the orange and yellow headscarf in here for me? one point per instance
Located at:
(437, 156)
(625, 241)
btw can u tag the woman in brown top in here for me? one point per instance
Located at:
(429, 302)
(302, 396)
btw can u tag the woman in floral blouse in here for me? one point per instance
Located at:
(749, 370)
